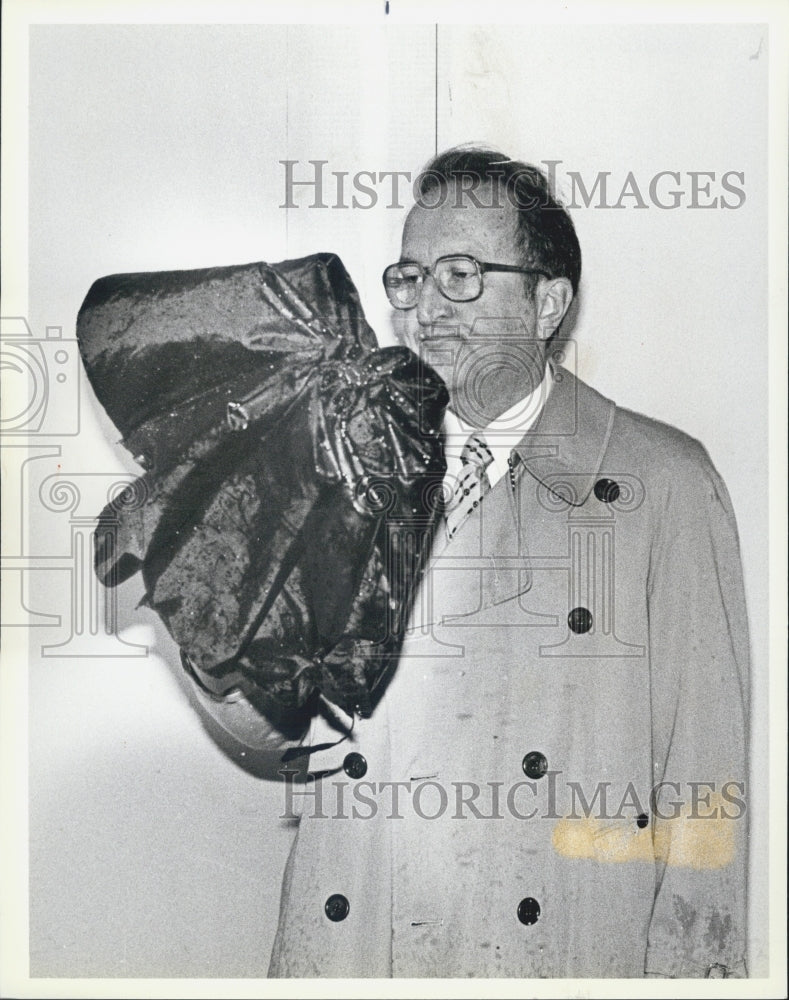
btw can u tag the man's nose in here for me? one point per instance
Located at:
(432, 306)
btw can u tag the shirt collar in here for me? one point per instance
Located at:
(502, 434)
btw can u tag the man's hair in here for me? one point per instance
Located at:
(545, 232)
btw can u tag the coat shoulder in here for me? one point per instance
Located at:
(669, 461)
(656, 441)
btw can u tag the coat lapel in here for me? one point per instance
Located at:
(566, 447)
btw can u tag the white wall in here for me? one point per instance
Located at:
(157, 147)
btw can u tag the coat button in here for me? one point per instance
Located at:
(606, 490)
(580, 620)
(528, 910)
(337, 907)
(535, 764)
(354, 765)
(642, 821)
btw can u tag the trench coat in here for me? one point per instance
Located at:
(554, 783)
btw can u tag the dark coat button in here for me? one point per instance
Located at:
(606, 490)
(534, 764)
(580, 620)
(354, 765)
(642, 821)
(528, 910)
(337, 907)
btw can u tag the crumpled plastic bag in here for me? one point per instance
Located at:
(292, 479)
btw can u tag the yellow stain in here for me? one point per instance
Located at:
(684, 842)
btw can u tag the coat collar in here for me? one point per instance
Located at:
(565, 448)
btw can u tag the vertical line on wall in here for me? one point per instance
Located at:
(436, 95)
(287, 129)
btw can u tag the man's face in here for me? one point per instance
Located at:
(486, 350)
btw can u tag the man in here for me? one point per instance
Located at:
(553, 784)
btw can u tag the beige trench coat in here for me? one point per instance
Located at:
(568, 728)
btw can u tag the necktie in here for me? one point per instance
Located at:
(472, 483)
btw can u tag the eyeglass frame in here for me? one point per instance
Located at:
(481, 266)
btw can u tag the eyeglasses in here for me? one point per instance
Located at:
(458, 277)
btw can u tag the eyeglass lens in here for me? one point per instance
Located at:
(458, 278)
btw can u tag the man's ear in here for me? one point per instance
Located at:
(553, 300)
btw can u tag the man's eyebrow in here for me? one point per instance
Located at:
(454, 253)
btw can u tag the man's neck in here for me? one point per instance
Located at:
(501, 434)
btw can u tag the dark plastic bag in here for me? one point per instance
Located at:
(292, 477)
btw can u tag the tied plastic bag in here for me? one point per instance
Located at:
(293, 472)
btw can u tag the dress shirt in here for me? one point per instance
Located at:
(501, 435)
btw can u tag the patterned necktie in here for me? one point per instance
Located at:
(472, 483)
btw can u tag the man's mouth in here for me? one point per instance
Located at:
(437, 333)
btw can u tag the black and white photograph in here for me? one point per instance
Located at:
(394, 487)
